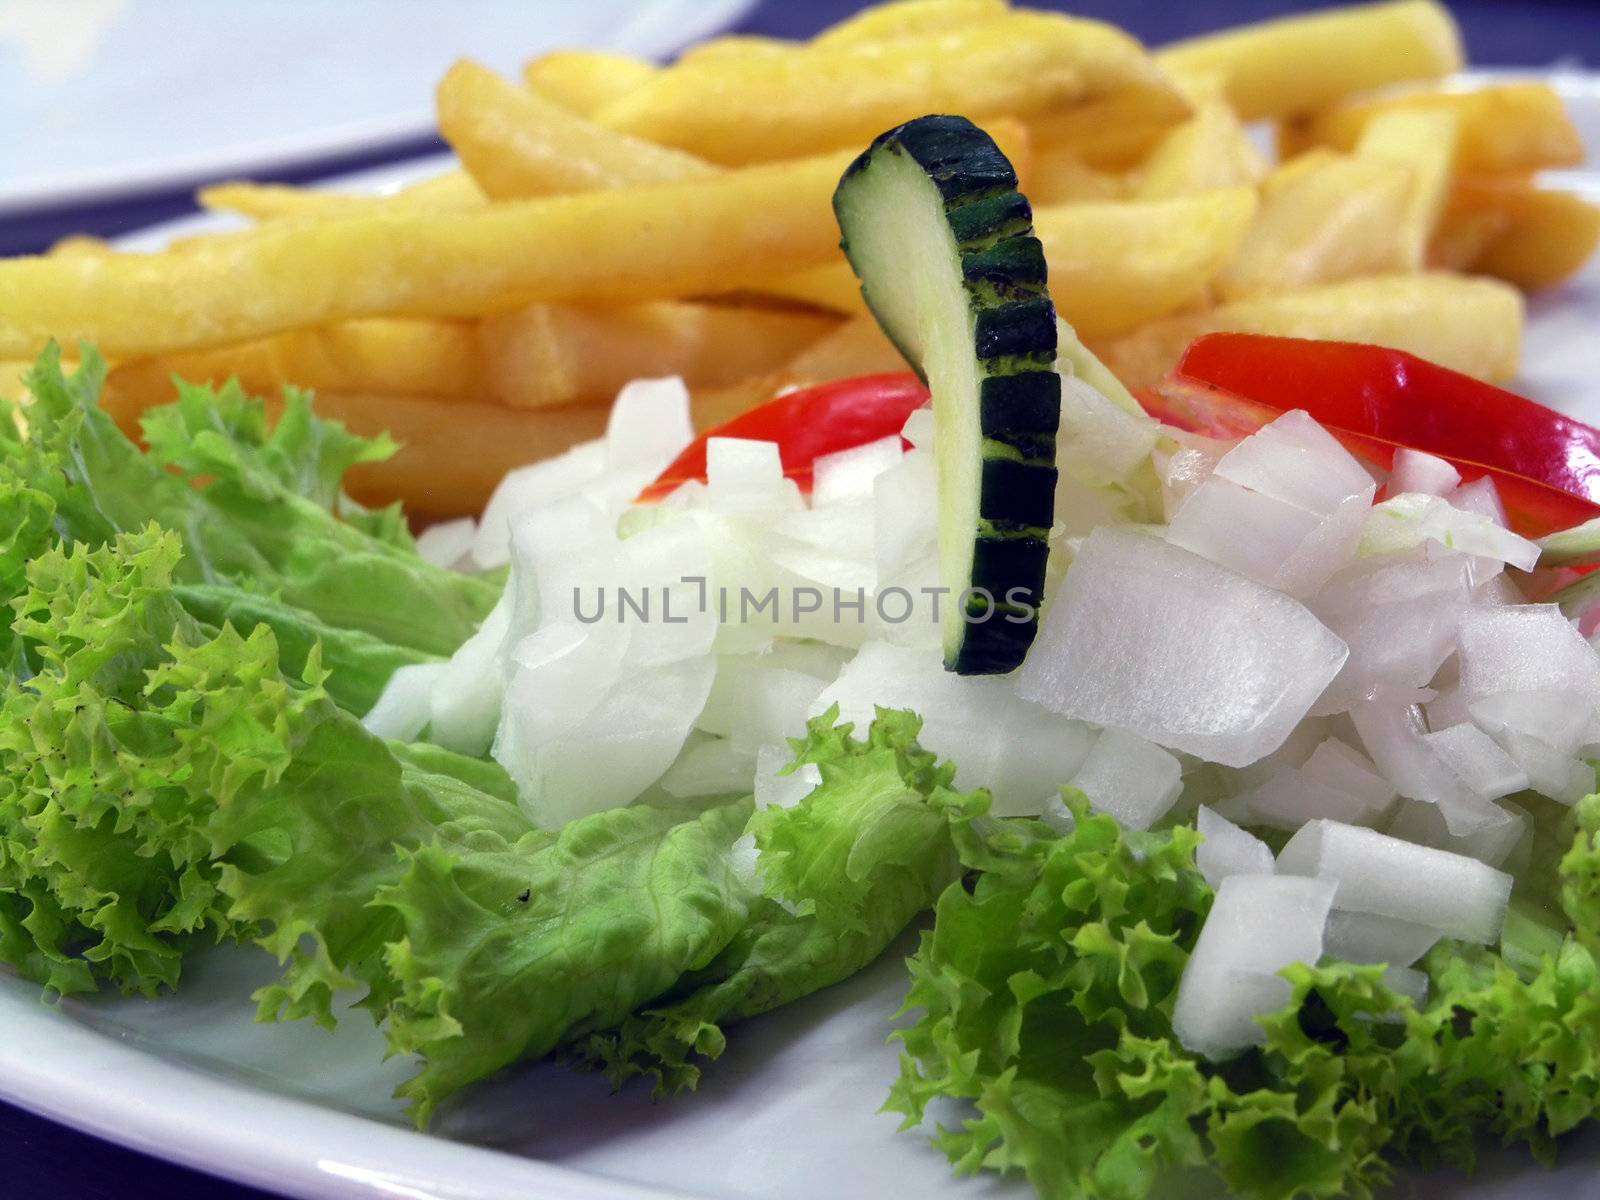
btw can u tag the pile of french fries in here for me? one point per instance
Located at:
(613, 218)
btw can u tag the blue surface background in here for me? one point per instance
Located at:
(45, 1161)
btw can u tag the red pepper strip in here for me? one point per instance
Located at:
(807, 424)
(1405, 400)
(1533, 508)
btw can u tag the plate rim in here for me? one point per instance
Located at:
(659, 28)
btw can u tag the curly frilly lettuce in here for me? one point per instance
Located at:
(1045, 993)
(844, 872)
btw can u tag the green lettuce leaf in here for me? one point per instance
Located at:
(861, 856)
(254, 510)
(508, 952)
(358, 665)
(165, 784)
(1045, 992)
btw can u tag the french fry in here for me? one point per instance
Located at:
(909, 18)
(1209, 150)
(1114, 266)
(1547, 238)
(1059, 175)
(1302, 63)
(515, 143)
(779, 106)
(832, 286)
(449, 192)
(1424, 141)
(560, 354)
(697, 237)
(1470, 325)
(585, 81)
(393, 355)
(1504, 126)
(1323, 217)
(858, 347)
(1475, 214)
(79, 244)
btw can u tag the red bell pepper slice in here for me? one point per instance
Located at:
(807, 424)
(1404, 400)
(1532, 507)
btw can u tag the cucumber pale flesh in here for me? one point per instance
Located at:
(943, 244)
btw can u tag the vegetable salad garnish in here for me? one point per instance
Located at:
(1238, 730)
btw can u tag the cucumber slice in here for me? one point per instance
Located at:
(943, 244)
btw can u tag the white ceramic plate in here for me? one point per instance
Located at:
(789, 1113)
(108, 99)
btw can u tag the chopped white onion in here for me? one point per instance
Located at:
(709, 767)
(1481, 497)
(1134, 780)
(1360, 937)
(1296, 460)
(918, 429)
(1242, 530)
(746, 476)
(1412, 519)
(1420, 473)
(1376, 873)
(617, 738)
(405, 706)
(1527, 668)
(754, 703)
(1228, 850)
(1021, 752)
(1399, 617)
(448, 543)
(465, 705)
(525, 489)
(850, 475)
(905, 507)
(1099, 442)
(1481, 764)
(776, 789)
(1393, 733)
(649, 426)
(1494, 842)
(1258, 925)
(1147, 637)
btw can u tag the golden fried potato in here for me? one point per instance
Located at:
(1470, 325)
(692, 238)
(550, 354)
(1115, 265)
(1323, 217)
(1423, 142)
(1301, 63)
(449, 192)
(1059, 175)
(1545, 237)
(1209, 150)
(1504, 126)
(585, 81)
(781, 105)
(392, 355)
(515, 143)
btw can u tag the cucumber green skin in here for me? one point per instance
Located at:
(1014, 340)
